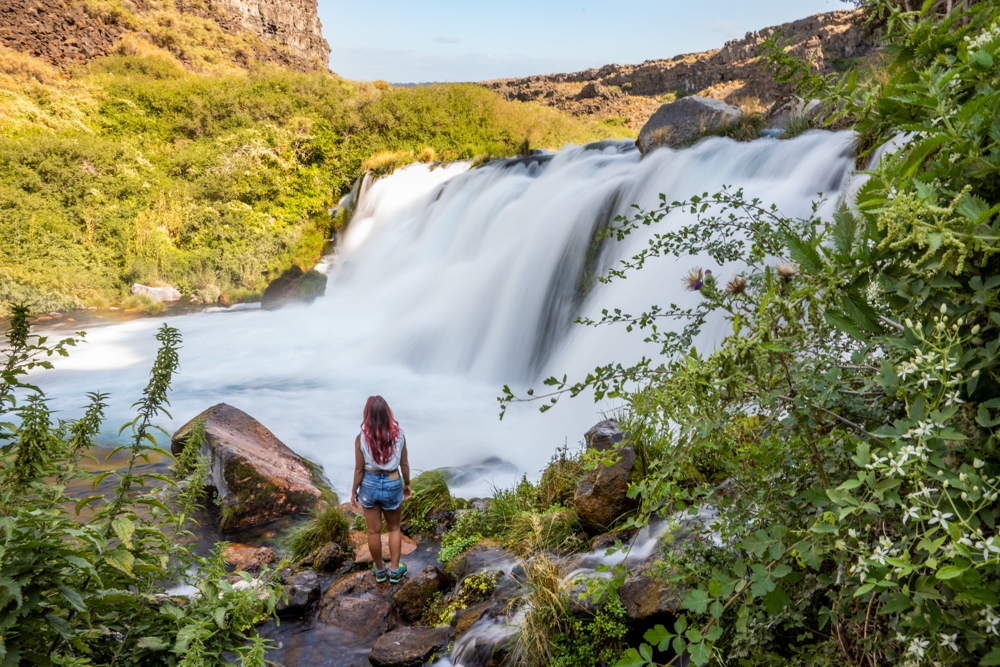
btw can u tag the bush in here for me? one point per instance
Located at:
(82, 579)
(852, 413)
(429, 493)
(327, 525)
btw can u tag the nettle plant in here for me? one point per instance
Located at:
(845, 432)
(82, 578)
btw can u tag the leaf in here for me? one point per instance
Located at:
(845, 230)
(631, 659)
(60, 625)
(950, 572)
(120, 559)
(714, 633)
(781, 570)
(124, 529)
(898, 602)
(776, 600)
(840, 321)
(74, 598)
(991, 659)
(153, 644)
(700, 653)
(697, 601)
(804, 254)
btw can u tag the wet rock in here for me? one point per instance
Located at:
(256, 476)
(329, 557)
(678, 123)
(478, 559)
(293, 285)
(602, 496)
(464, 619)
(359, 604)
(481, 504)
(643, 596)
(412, 597)
(245, 558)
(159, 294)
(362, 554)
(605, 541)
(302, 590)
(603, 435)
(409, 647)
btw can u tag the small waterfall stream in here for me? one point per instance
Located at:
(451, 281)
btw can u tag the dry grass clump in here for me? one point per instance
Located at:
(546, 613)
(386, 162)
(17, 69)
(555, 528)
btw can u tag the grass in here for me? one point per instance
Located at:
(554, 528)
(328, 525)
(672, 96)
(429, 493)
(795, 125)
(135, 169)
(546, 614)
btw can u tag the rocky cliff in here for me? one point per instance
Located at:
(240, 32)
(731, 73)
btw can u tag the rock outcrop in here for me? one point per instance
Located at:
(293, 285)
(302, 590)
(71, 32)
(164, 294)
(257, 477)
(409, 647)
(413, 596)
(360, 605)
(602, 496)
(681, 122)
(731, 73)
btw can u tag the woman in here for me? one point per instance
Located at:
(379, 458)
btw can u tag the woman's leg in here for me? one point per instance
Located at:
(373, 519)
(392, 520)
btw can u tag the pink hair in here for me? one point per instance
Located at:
(380, 429)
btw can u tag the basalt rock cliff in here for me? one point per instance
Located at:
(71, 32)
(731, 74)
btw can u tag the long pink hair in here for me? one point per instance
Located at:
(380, 428)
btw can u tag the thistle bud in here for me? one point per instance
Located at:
(944, 309)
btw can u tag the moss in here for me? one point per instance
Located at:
(474, 589)
(254, 499)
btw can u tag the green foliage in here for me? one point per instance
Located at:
(672, 96)
(745, 128)
(215, 183)
(470, 527)
(473, 589)
(325, 526)
(82, 579)
(845, 432)
(592, 641)
(429, 493)
(560, 478)
(795, 125)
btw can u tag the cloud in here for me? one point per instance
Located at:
(441, 39)
(399, 66)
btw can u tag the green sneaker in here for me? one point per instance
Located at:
(380, 575)
(396, 576)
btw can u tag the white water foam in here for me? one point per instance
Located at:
(451, 282)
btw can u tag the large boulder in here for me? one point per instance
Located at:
(603, 435)
(257, 478)
(302, 590)
(363, 555)
(409, 647)
(158, 294)
(246, 558)
(644, 596)
(412, 597)
(679, 123)
(602, 496)
(359, 604)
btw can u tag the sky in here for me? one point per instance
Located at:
(402, 41)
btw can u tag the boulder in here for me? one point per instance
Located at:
(409, 647)
(329, 557)
(257, 478)
(605, 541)
(293, 285)
(412, 597)
(302, 590)
(159, 294)
(643, 596)
(358, 604)
(603, 435)
(594, 90)
(602, 496)
(681, 122)
(245, 558)
(362, 554)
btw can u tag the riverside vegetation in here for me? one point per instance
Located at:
(845, 432)
(133, 169)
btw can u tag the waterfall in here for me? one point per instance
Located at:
(450, 282)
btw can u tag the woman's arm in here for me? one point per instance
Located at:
(359, 471)
(404, 467)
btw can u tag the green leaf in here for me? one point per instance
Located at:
(991, 659)
(776, 600)
(781, 570)
(803, 253)
(153, 644)
(714, 633)
(950, 572)
(898, 602)
(124, 529)
(120, 559)
(700, 653)
(60, 625)
(697, 601)
(631, 659)
(74, 598)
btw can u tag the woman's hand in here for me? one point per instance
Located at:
(406, 492)
(354, 500)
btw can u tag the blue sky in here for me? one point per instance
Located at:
(471, 40)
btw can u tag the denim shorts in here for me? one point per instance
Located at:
(378, 489)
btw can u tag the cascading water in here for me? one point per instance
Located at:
(450, 282)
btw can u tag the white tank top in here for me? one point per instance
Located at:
(392, 463)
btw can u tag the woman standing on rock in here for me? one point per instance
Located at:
(379, 462)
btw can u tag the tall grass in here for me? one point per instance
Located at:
(328, 525)
(429, 493)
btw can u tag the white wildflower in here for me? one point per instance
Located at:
(948, 641)
(911, 513)
(940, 517)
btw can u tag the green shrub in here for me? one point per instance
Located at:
(327, 525)
(474, 589)
(560, 479)
(592, 641)
(82, 580)
(428, 493)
